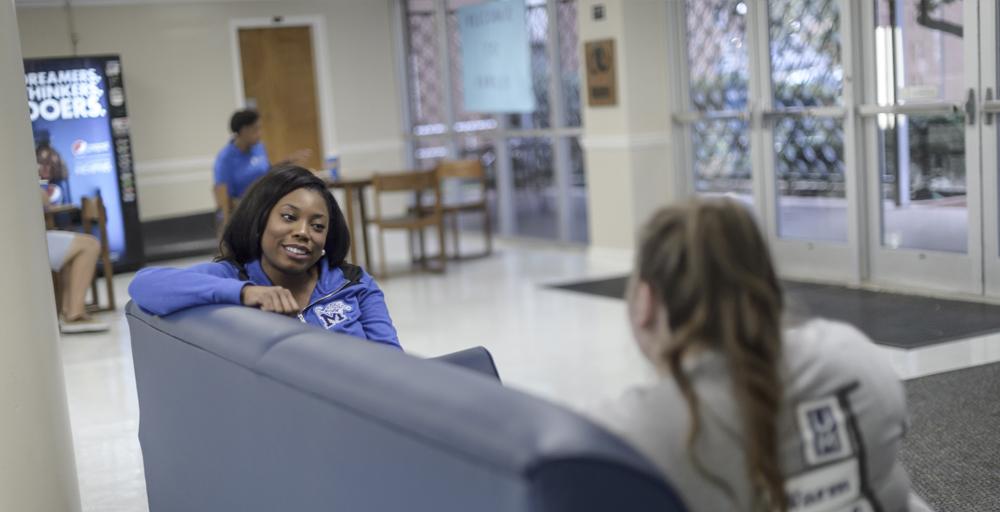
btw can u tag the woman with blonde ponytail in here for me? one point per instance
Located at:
(751, 414)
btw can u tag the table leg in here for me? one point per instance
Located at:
(349, 213)
(364, 227)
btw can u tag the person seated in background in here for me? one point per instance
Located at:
(243, 160)
(282, 251)
(74, 257)
(52, 174)
(749, 413)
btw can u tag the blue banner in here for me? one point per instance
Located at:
(496, 57)
(74, 104)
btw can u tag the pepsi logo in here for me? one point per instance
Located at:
(79, 146)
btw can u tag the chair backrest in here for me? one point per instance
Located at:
(92, 209)
(251, 411)
(465, 169)
(404, 181)
(416, 182)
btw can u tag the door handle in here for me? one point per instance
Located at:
(814, 112)
(694, 116)
(911, 109)
(970, 107)
(987, 114)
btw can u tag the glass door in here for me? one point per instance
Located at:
(766, 119)
(923, 152)
(715, 113)
(807, 135)
(989, 72)
(864, 133)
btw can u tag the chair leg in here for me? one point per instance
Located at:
(57, 288)
(410, 248)
(442, 257)
(109, 281)
(454, 234)
(86, 222)
(95, 296)
(423, 248)
(382, 273)
(488, 230)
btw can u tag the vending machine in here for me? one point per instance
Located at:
(82, 144)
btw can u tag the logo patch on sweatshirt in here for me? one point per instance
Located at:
(823, 426)
(333, 313)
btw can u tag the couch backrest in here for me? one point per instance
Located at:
(242, 410)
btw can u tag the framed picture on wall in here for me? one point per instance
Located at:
(602, 90)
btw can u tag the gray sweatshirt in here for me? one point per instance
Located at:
(843, 418)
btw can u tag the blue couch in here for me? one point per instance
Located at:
(245, 411)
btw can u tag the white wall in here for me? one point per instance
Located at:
(178, 71)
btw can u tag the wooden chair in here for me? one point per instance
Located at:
(466, 171)
(57, 289)
(417, 219)
(92, 213)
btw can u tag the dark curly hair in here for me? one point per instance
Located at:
(242, 119)
(240, 242)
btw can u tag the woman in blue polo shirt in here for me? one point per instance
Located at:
(243, 160)
(283, 251)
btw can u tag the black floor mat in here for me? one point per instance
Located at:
(904, 321)
(951, 451)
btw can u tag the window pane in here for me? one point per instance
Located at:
(428, 151)
(809, 156)
(722, 157)
(423, 63)
(718, 61)
(534, 186)
(806, 71)
(717, 54)
(538, 27)
(579, 230)
(805, 53)
(923, 183)
(931, 46)
(569, 58)
(464, 121)
(919, 57)
(478, 147)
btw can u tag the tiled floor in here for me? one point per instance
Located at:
(569, 347)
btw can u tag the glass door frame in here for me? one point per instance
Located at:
(684, 117)
(989, 193)
(797, 259)
(922, 269)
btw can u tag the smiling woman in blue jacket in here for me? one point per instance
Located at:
(282, 251)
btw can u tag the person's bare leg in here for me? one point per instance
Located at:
(78, 269)
(64, 289)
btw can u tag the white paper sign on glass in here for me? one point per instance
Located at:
(496, 57)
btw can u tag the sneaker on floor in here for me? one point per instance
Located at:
(82, 326)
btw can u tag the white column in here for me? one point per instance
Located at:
(37, 470)
(627, 147)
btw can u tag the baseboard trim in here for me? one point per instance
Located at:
(180, 237)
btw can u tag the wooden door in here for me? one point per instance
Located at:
(280, 82)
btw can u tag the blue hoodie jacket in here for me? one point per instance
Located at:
(346, 299)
